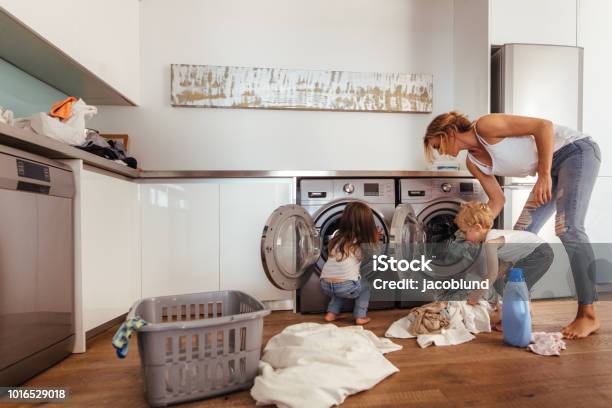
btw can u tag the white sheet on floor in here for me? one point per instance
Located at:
(318, 365)
(465, 320)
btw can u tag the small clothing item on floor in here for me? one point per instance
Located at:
(314, 365)
(463, 320)
(121, 339)
(547, 344)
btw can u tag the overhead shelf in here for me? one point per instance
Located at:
(31, 53)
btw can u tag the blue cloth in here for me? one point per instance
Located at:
(121, 339)
(350, 289)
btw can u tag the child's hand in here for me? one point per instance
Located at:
(472, 301)
(474, 297)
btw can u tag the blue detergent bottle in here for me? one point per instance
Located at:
(516, 319)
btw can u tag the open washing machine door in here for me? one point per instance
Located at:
(290, 245)
(406, 237)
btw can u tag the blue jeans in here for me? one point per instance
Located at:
(574, 172)
(358, 290)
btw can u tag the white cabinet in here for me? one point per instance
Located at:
(534, 22)
(245, 206)
(595, 35)
(109, 247)
(103, 36)
(179, 237)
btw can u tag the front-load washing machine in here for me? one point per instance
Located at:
(432, 204)
(295, 238)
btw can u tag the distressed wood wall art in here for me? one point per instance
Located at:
(209, 86)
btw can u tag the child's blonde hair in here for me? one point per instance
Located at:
(473, 213)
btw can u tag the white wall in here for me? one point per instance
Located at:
(533, 21)
(102, 35)
(472, 50)
(356, 35)
(595, 35)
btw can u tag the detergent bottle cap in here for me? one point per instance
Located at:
(516, 275)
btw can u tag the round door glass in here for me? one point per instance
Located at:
(440, 231)
(296, 246)
(331, 226)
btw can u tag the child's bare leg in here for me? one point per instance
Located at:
(330, 317)
(495, 317)
(585, 323)
(362, 320)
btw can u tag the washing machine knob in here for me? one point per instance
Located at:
(348, 188)
(446, 187)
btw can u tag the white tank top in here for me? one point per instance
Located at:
(346, 269)
(518, 156)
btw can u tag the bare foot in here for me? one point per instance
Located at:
(330, 317)
(498, 326)
(583, 325)
(362, 320)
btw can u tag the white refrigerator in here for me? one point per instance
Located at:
(540, 81)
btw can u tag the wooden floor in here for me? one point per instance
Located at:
(482, 372)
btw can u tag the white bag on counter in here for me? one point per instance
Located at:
(6, 116)
(71, 132)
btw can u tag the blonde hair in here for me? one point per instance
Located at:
(439, 127)
(474, 213)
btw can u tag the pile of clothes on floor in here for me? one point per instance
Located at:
(455, 322)
(315, 365)
(65, 122)
(443, 323)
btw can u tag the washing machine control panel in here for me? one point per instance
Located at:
(348, 188)
(446, 187)
(320, 191)
(428, 189)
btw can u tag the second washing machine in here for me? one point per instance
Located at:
(434, 203)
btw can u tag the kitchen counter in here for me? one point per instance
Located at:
(50, 148)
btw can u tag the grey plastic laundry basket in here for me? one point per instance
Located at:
(198, 345)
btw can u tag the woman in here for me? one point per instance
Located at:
(566, 162)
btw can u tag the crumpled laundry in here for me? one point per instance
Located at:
(109, 149)
(315, 365)
(63, 109)
(70, 130)
(121, 339)
(464, 320)
(6, 116)
(547, 344)
(429, 319)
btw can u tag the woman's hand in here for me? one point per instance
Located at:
(542, 191)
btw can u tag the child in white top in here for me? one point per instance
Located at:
(340, 277)
(504, 249)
